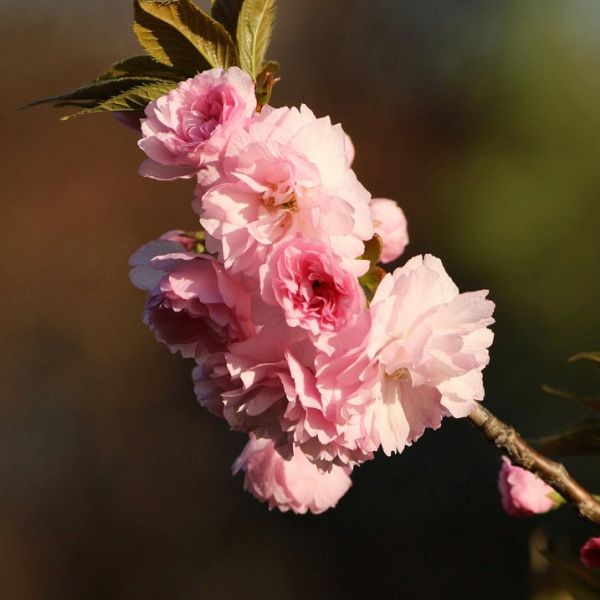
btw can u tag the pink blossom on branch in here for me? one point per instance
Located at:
(189, 127)
(272, 391)
(307, 280)
(295, 484)
(416, 359)
(193, 305)
(390, 224)
(590, 553)
(523, 493)
(286, 175)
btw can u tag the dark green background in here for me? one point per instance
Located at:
(482, 118)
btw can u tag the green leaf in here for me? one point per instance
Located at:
(592, 357)
(165, 43)
(372, 278)
(370, 281)
(373, 250)
(142, 66)
(136, 98)
(227, 13)
(254, 29)
(592, 402)
(96, 92)
(181, 35)
(583, 438)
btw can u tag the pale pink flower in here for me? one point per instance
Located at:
(189, 127)
(590, 553)
(295, 484)
(309, 283)
(523, 493)
(415, 359)
(390, 225)
(287, 174)
(274, 394)
(193, 305)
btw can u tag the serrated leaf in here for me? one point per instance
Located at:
(136, 98)
(583, 438)
(165, 43)
(227, 13)
(142, 66)
(592, 402)
(96, 92)
(592, 357)
(254, 29)
(181, 35)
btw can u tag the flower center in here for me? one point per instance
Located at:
(402, 374)
(276, 198)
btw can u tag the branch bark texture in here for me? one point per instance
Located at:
(523, 455)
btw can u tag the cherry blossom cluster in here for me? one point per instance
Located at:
(268, 298)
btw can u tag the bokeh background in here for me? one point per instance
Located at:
(481, 117)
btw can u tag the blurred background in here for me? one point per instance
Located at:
(481, 117)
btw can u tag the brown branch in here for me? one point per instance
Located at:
(523, 455)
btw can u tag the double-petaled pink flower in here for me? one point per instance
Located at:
(190, 126)
(415, 359)
(285, 175)
(308, 281)
(295, 484)
(193, 305)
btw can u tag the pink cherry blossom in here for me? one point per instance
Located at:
(188, 127)
(193, 305)
(309, 283)
(390, 225)
(273, 392)
(590, 553)
(523, 493)
(295, 484)
(287, 174)
(417, 358)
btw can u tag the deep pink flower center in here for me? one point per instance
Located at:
(204, 114)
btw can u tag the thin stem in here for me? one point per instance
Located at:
(523, 455)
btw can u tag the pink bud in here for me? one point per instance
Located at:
(523, 493)
(590, 553)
